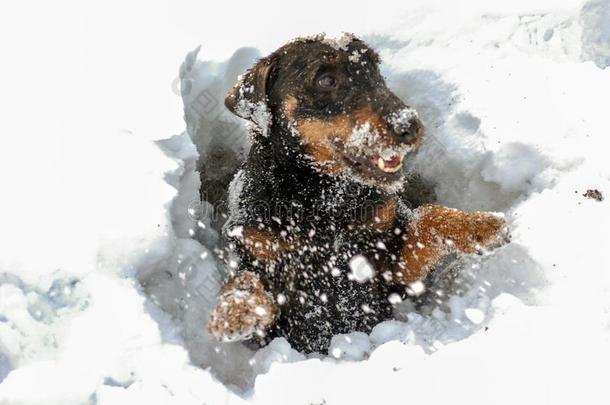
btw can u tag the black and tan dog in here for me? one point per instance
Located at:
(324, 239)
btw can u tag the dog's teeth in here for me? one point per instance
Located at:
(392, 169)
(389, 166)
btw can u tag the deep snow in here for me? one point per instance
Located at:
(104, 293)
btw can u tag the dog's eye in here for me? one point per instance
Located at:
(328, 81)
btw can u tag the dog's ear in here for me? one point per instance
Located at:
(248, 97)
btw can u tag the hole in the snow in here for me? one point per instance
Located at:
(455, 302)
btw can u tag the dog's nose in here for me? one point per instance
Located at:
(408, 131)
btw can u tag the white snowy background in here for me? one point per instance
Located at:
(104, 294)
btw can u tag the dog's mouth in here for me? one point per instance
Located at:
(369, 155)
(392, 164)
(385, 164)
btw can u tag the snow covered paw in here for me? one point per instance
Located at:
(244, 309)
(437, 231)
(464, 232)
(482, 231)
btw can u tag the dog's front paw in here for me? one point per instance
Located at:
(244, 309)
(436, 231)
(482, 231)
(465, 232)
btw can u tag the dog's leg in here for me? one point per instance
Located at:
(244, 309)
(437, 231)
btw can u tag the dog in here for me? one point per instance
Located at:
(321, 237)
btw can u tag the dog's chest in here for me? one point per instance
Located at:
(331, 252)
(335, 287)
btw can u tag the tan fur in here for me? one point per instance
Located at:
(263, 245)
(289, 106)
(438, 230)
(244, 308)
(319, 135)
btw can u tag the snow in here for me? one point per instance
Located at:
(363, 138)
(596, 32)
(341, 42)
(403, 117)
(353, 346)
(104, 295)
(361, 270)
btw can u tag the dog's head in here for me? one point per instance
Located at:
(330, 96)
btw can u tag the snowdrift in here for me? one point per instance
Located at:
(106, 285)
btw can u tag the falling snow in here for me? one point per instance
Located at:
(361, 269)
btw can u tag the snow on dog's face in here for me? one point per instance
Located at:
(329, 96)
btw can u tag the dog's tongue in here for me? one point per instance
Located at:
(391, 165)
